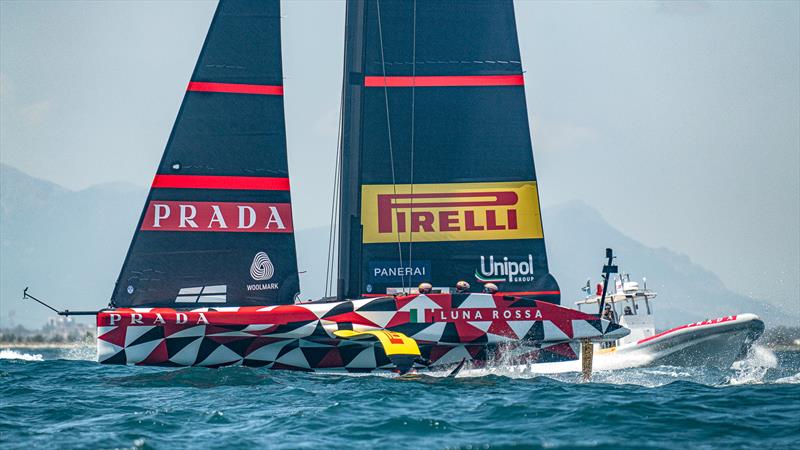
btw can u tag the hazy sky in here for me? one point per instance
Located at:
(679, 121)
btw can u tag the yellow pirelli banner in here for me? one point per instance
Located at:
(450, 212)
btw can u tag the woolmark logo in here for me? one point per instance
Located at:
(450, 212)
(262, 268)
(505, 270)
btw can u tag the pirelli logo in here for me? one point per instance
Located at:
(450, 212)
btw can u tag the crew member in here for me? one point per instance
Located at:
(608, 314)
(425, 288)
(627, 311)
(462, 287)
(490, 288)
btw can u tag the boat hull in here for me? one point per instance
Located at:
(717, 343)
(447, 327)
(710, 343)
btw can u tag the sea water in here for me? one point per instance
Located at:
(63, 399)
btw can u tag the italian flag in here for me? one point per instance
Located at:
(416, 316)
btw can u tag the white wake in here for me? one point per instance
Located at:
(12, 354)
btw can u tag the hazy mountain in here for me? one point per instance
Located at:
(68, 246)
(577, 237)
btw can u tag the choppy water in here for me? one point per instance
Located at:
(62, 399)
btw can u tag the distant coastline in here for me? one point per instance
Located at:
(40, 345)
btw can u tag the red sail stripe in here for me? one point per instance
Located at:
(234, 88)
(436, 81)
(221, 182)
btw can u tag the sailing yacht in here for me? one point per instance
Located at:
(436, 183)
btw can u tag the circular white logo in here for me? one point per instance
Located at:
(130, 289)
(262, 268)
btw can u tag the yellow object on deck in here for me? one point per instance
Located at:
(393, 343)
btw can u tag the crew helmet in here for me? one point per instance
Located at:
(490, 288)
(425, 288)
(462, 286)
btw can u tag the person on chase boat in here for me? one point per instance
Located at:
(425, 288)
(608, 314)
(462, 287)
(490, 288)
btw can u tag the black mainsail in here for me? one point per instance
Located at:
(438, 182)
(218, 217)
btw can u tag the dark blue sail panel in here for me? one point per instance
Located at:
(217, 226)
(439, 180)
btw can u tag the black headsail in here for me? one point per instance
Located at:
(217, 226)
(438, 182)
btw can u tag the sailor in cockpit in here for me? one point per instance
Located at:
(425, 288)
(490, 288)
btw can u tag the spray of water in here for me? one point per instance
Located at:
(13, 354)
(753, 368)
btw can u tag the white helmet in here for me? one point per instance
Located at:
(425, 288)
(490, 288)
(462, 286)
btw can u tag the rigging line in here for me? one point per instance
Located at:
(413, 110)
(389, 130)
(334, 203)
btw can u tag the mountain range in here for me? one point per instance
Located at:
(68, 247)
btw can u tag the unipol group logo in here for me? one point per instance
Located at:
(262, 268)
(450, 212)
(218, 216)
(505, 270)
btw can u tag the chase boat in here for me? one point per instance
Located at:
(717, 342)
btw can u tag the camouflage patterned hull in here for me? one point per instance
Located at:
(448, 328)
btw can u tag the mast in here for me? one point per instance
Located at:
(348, 279)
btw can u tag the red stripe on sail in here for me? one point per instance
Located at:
(221, 182)
(234, 88)
(436, 81)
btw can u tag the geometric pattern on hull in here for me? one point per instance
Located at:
(447, 327)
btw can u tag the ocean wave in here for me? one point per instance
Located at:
(13, 354)
(754, 367)
(88, 405)
(793, 379)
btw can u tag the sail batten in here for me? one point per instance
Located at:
(444, 80)
(235, 88)
(221, 182)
